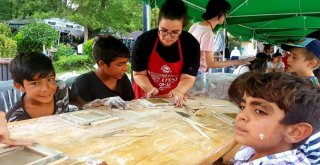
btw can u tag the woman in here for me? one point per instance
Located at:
(165, 60)
(216, 12)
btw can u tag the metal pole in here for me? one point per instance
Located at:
(224, 43)
(146, 19)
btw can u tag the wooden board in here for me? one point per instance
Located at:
(155, 102)
(140, 135)
(32, 155)
(88, 117)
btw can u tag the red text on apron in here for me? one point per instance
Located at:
(163, 75)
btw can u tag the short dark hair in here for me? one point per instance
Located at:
(216, 8)
(174, 10)
(262, 55)
(267, 47)
(258, 64)
(25, 66)
(296, 96)
(276, 55)
(107, 48)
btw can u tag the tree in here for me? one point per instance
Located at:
(8, 47)
(124, 15)
(5, 10)
(5, 29)
(35, 37)
(121, 15)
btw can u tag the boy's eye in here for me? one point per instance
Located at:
(241, 107)
(260, 112)
(51, 79)
(34, 83)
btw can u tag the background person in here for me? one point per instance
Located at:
(276, 65)
(215, 14)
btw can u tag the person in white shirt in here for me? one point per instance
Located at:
(216, 12)
(235, 54)
(276, 65)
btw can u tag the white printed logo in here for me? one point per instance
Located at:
(165, 69)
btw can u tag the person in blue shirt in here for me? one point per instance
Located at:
(303, 59)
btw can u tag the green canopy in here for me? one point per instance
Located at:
(269, 20)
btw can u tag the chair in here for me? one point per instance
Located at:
(69, 81)
(8, 95)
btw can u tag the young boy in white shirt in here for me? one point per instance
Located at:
(279, 112)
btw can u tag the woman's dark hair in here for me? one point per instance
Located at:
(216, 8)
(25, 66)
(174, 10)
(107, 48)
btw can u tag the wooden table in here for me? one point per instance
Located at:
(139, 136)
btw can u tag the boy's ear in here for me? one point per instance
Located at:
(298, 132)
(18, 86)
(100, 63)
(313, 63)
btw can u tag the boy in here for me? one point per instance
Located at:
(33, 74)
(304, 58)
(278, 113)
(109, 79)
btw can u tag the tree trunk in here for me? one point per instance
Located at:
(85, 35)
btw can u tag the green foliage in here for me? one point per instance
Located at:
(234, 42)
(42, 8)
(129, 68)
(34, 36)
(73, 62)
(63, 50)
(122, 15)
(87, 49)
(5, 10)
(5, 29)
(8, 47)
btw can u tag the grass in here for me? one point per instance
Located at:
(60, 71)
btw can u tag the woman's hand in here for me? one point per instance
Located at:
(179, 97)
(152, 92)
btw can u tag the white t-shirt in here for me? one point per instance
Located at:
(205, 37)
(241, 69)
(235, 53)
(276, 67)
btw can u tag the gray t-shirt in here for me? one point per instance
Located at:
(61, 98)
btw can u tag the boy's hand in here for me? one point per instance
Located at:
(110, 102)
(5, 134)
